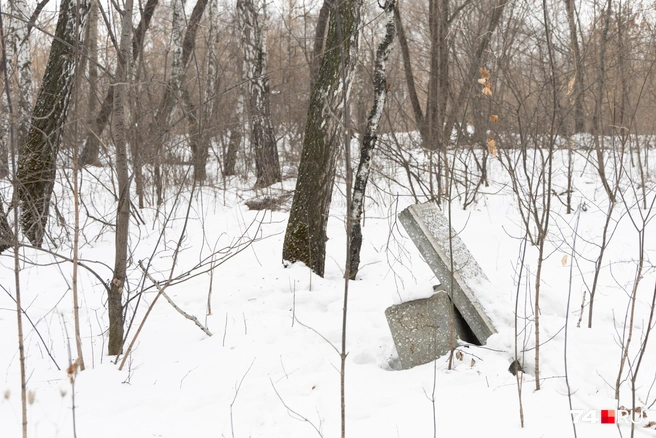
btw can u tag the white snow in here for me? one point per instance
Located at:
(263, 374)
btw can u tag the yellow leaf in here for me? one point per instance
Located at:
(492, 146)
(564, 260)
(494, 118)
(482, 81)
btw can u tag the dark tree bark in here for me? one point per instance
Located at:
(577, 56)
(305, 238)
(234, 142)
(370, 139)
(438, 79)
(199, 147)
(38, 153)
(91, 148)
(115, 304)
(420, 120)
(598, 111)
(91, 42)
(6, 234)
(263, 139)
(319, 41)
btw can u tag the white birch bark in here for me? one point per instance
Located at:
(252, 24)
(305, 238)
(19, 66)
(370, 139)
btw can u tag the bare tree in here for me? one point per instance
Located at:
(38, 150)
(305, 238)
(115, 305)
(5, 232)
(252, 19)
(91, 149)
(195, 112)
(577, 80)
(319, 45)
(370, 138)
(91, 43)
(19, 70)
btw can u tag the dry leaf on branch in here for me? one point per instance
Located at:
(492, 146)
(459, 355)
(494, 118)
(564, 260)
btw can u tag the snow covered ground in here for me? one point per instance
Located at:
(265, 374)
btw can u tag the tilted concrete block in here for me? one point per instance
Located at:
(430, 232)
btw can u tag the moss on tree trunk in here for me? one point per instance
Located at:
(305, 239)
(37, 162)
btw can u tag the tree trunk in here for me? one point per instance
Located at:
(438, 79)
(115, 305)
(38, 151)
(420, 120)
(160, 125)
(91, 149)
(19, 69)
(577, 88)
(210, 98)
(319, 41)
(6, 234)
(370, 137)
(252, 27)
(598, 110)
(92, 51)
(305, 238)
(194, 113)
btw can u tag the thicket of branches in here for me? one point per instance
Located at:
(153, 92)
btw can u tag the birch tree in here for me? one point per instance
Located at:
(172, 92)
(252, 18)
(370, 138)
(305, 237)
(19, 71)
(38, 149)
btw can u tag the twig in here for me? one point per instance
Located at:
(291, 411)
(234, 399)
(161, 289)
(569, 297)
(35, 329)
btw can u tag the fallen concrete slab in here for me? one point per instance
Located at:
(420, 329)
(429, 230)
